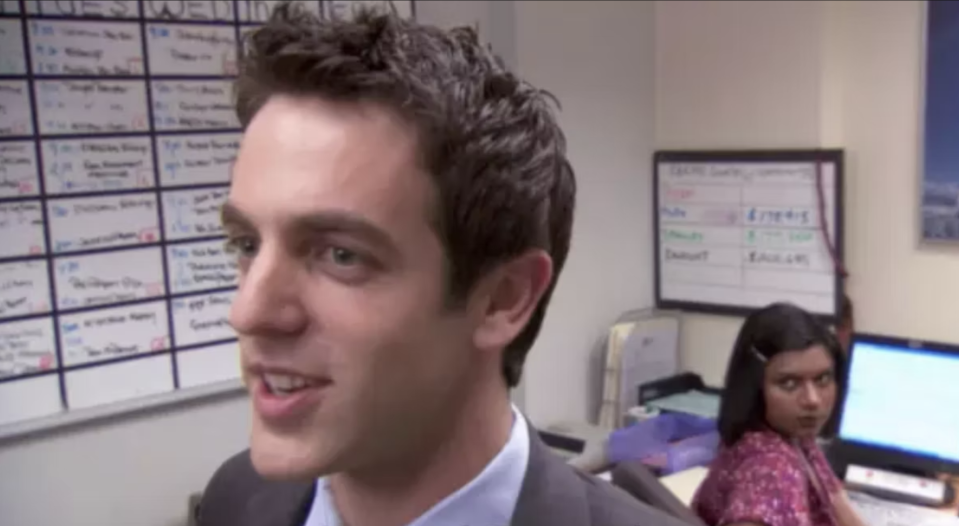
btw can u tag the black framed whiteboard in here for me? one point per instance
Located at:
(736, 230)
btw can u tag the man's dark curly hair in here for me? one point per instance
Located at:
(489, 140)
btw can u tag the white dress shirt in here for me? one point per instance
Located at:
(487, 500)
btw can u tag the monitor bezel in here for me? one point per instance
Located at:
(885, 457)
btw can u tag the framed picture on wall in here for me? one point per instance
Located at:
(940, 147)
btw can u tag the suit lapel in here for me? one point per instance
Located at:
(280, 504)
(551, 494)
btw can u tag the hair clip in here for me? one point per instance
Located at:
(759, 356)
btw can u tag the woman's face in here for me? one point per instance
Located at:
(800, 391)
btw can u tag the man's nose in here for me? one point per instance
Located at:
(267, 299)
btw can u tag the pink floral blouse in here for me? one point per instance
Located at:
(763, 479)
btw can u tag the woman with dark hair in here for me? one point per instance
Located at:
(781, 385)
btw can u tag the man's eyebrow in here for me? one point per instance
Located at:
(331, 221)
(339, 221)
(231, 215)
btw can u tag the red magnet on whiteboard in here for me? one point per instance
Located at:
(46, 361)
(148, 235)
(35, 249)
(158, 343)
(229, 66)
(41, 307)
(154, 289)
(26, 187)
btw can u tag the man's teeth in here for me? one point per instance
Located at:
(284, 383)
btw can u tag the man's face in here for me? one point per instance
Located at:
(346, 346)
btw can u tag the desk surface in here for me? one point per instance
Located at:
(684, 483)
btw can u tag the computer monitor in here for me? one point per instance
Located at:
(900, 409)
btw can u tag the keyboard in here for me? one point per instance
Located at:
(878, 512)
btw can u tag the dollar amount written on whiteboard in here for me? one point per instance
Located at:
(799, 217)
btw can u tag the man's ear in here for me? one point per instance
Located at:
(507, 297)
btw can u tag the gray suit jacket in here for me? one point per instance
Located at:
(553, 494)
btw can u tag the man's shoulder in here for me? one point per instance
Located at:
(234, 481)
(236, 491)
(234, 475)
(611, 506)
(558, 494)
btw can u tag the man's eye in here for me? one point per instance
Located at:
(824, 379)
(343, 257)
(241, 245)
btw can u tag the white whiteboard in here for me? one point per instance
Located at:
(117, 140)
(736, 231)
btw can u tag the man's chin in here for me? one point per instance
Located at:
(283, 458)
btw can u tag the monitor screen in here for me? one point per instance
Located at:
(903, 398)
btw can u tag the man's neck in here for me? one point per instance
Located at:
(396, 495)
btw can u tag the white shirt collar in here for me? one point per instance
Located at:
(489, 499)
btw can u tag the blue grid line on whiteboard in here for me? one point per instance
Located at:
(151, 122)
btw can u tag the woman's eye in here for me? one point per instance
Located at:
(824, 379)
(788, 384)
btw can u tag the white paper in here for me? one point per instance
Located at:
(199, 266)
(193, 105)
(27, 347)
(650, 352)
(203, 318)
(24, 288)
(197, 159)
(104, 221)
(191, 49)
(18, 169)
(98, 335)
(66, 47)
(91, 106)
(11, 42)
(15, 116)
(193, 213)
(97, 165)
(109, 277)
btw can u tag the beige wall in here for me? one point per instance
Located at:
(597, 58)
(798, 74)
